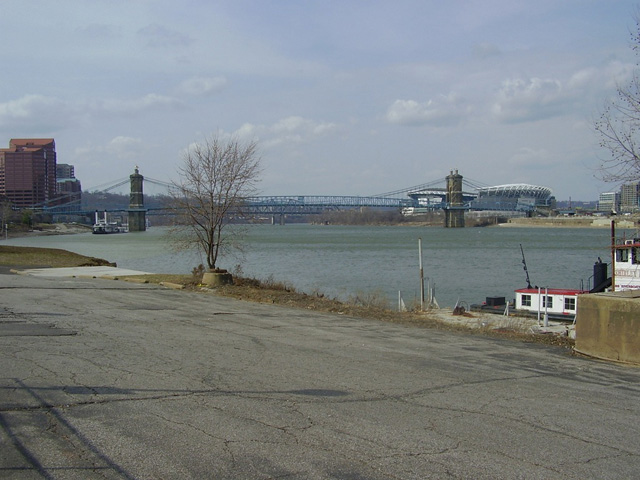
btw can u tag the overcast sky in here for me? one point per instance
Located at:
(348, 97)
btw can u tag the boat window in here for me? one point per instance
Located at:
(635, 255)
(547, 301)
(622, 255)
(526, 300)
(570, 304)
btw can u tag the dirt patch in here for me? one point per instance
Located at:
(476, 323)
(514, 328)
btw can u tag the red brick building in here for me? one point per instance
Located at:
(28, 171)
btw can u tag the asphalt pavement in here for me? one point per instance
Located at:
(110, 379)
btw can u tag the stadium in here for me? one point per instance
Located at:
(513, 197)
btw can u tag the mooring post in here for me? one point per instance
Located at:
(546, 306)
(421, 274)
(613, 255)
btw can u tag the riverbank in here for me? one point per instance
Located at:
(572, 222)
(19, 257)
(277, 293)
(632, 222)
(44, 229)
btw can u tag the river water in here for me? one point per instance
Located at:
(465, 264)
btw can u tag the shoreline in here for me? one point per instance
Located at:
(570, 222)
(49, 229)
(23, 260)
(550, 222)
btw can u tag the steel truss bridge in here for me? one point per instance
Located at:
(428, 196)
(309, 204)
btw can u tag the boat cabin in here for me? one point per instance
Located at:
(553, 301)
(103, 225)
(627, 265)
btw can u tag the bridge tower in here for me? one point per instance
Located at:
(454, 210)
(137, 212)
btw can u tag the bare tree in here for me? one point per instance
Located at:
(5, 213)
(619, 127)
(216, 177)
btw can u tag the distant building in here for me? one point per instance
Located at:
(629, 197)
(64, 170)
(28, 171)
(514, 197)
(68, 187)
(609, 202)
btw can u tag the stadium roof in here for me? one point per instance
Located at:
(516, 190)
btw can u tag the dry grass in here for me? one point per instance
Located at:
(372, 306)
(45, 257)
(274, 292)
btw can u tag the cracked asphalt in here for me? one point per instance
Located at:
(116, 380)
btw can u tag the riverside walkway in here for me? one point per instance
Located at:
(110, 379)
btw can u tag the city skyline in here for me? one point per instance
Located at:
(344, 98)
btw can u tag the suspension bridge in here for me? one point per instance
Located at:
(423, 197)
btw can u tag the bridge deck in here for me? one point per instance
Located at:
(310, 204)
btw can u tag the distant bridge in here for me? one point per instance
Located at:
(428, 196)
(306, 204)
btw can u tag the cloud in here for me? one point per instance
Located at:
(124, 147)
(529, 158)
(486, 50)
(99, 31)
(289, 130)
(36, 112)
(148, 102)
(44, 115)
(607, 77)
(530, 100)
(583, 78)
(39, 113)
(247, 130)
(159, 36)
(202, 86)
(527, 100)
(118, 148)
(445, 110)
(291, 124)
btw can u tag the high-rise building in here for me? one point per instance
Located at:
(28, 171)
(629, 196)
(609, 202)
(64, 170)
(68, 187)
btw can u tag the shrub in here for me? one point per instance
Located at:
(196, 274)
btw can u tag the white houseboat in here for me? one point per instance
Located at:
(562, 302)
(625, 276)
(626, 271)
(556, 303)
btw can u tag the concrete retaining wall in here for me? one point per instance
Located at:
(608, 326)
